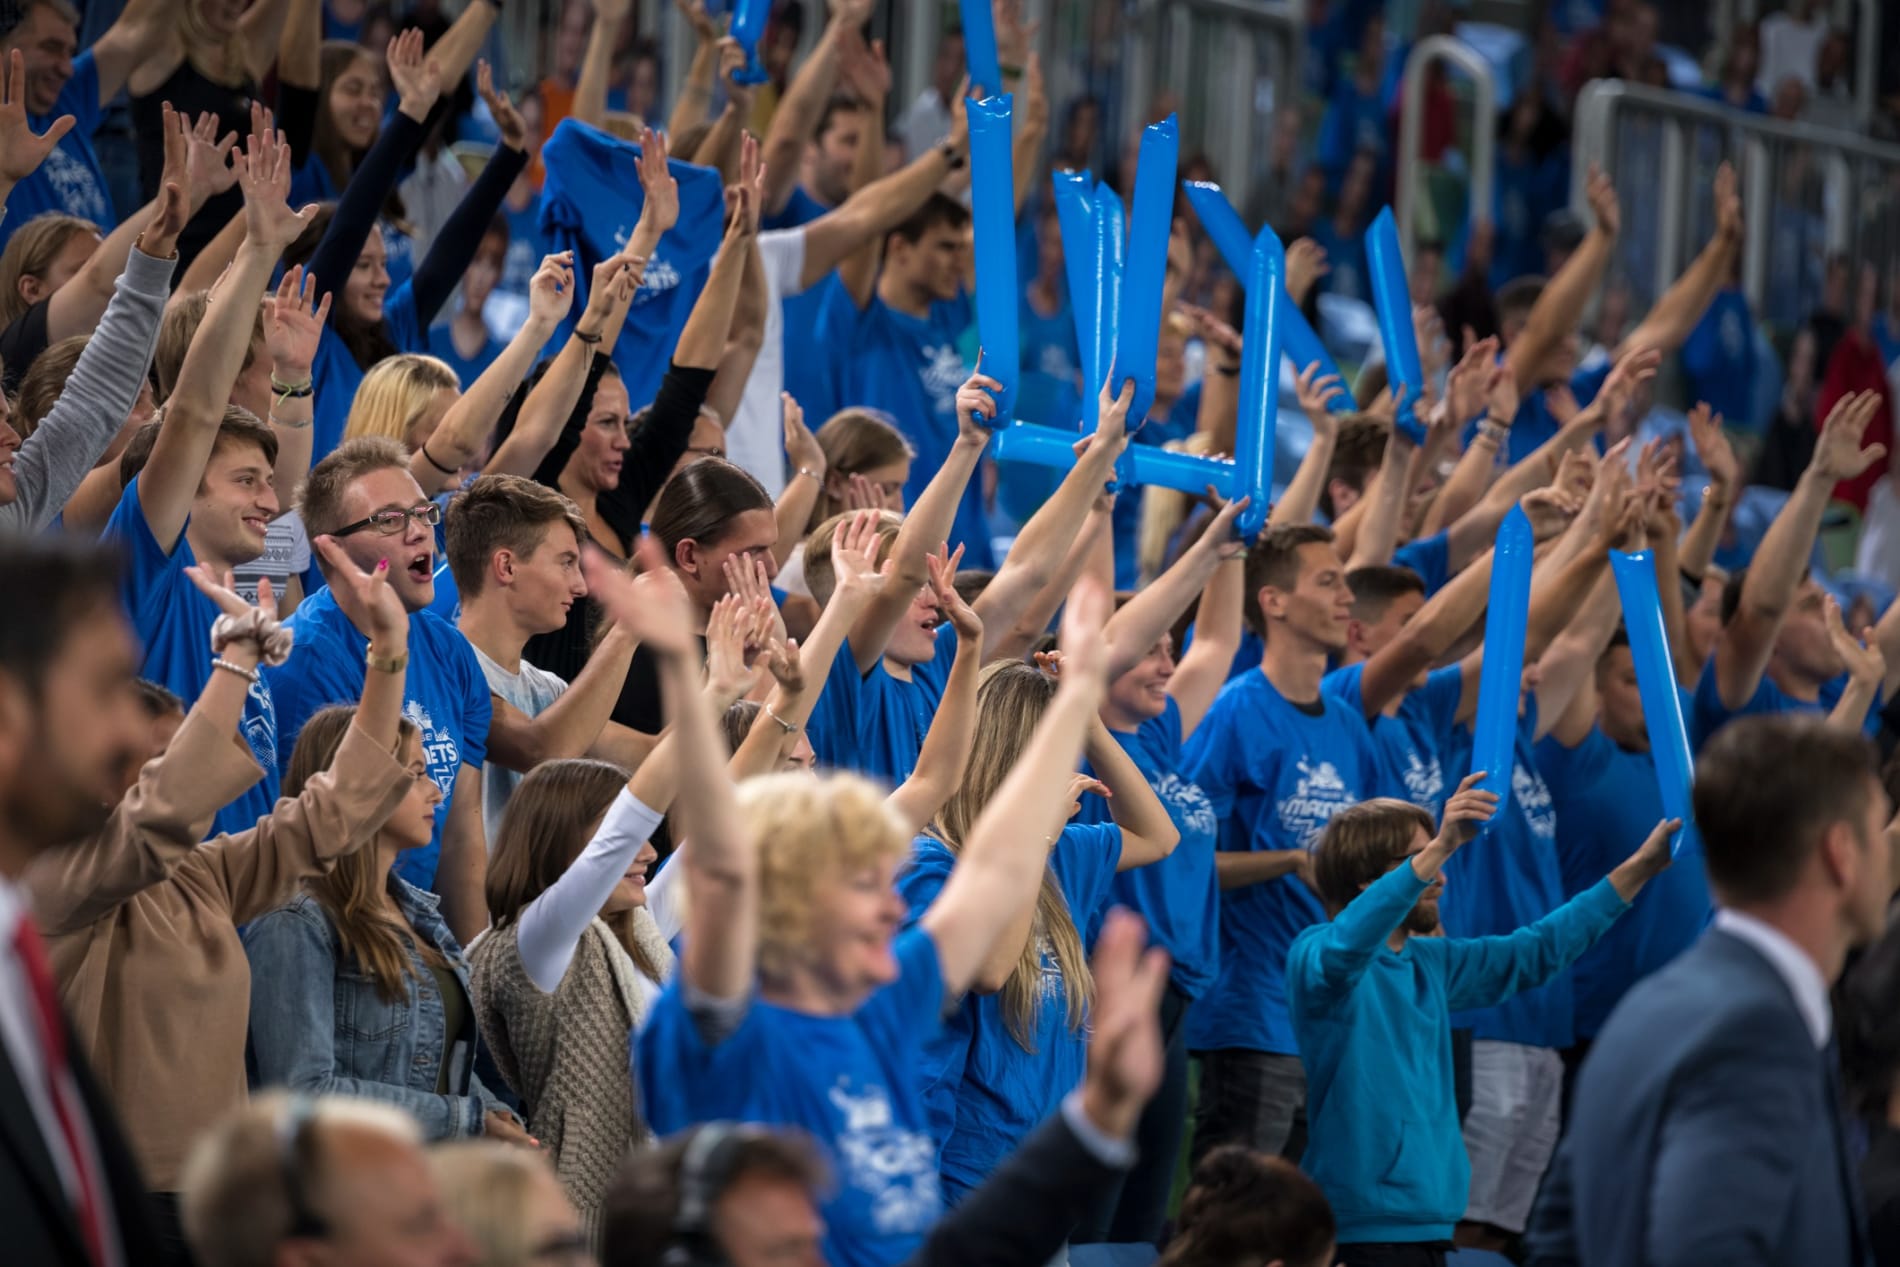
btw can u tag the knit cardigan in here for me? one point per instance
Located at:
(566, 1053)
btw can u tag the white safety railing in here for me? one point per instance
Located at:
(1482, 157)
(1808, 192)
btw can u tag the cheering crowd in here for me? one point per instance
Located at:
(483, 779)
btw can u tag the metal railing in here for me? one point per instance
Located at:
(1482, 156)
(1808, 192)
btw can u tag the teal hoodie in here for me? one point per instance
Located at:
(1374, 1031)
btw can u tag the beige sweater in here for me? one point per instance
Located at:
(141, 924)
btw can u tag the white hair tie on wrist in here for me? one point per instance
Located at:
(272, 638)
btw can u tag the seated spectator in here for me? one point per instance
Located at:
(507, 1201)
(347, 1174)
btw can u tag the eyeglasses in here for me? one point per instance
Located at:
(293, 1143)
(387, 523)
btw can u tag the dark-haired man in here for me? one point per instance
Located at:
(1707, 1122)
(70, 1193)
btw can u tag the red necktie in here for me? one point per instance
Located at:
(32, 952)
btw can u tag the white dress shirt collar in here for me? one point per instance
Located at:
(1791, 963)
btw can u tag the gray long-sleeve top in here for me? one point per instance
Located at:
(96, 400)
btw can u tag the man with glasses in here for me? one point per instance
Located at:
(286, 1179)
(363, 497)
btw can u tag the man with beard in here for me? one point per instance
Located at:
(1371, 995)
(70, 1193)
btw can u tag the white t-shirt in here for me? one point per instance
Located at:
(1789, 47)
(755, 435)
(1878, 554)
(533, 691)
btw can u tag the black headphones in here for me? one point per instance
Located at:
(705, 1171)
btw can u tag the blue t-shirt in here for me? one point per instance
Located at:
(1535, 424)
(1409, 744)
(525, 247)
(875, 723)
(467, 369)
(1607, 803)
(1719, 358)
(70, 181)
(1178, 896)
(911, 369)
(1004, 1092)
(1509, 877)
(590, 203)
(1049, 390)
(809, 375)
(1430, 557)
(1275, 773)
(335, 374)
(445, 696)
(850, 1082)
(1709, 714)
(799, 210)
(174, 618)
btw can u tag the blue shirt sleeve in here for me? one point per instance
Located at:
(148, 563)
(1485, 971)
(405, 328)
(924, 876)
(1430, 557)
(1085, 859)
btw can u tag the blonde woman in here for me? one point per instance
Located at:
(1017, 1045)
(508, 1202)
(799, 1002)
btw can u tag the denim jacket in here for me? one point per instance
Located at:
(319, 1025)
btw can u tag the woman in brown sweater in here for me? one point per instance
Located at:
(141, 921)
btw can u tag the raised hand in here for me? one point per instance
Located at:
(174, 203)
(854, 546)
(750, 190)
(943, 586)
(1501, 396)
(1466, 812)
(21, 149)
(861, 494)
(1081, 785)
(1221, 535)
(1034, 98)
(1127, 1056)
(366, 598)
(1470, 380)
(801, 446)
(727, 674)
(705, 27)
(652, 606)
(1728, 205)
(1604, 205)
(551, 289)
(1650, 860)
(732, 60)
(661, 210)
(1213, 331)
(1434, 349)
(1861, 655)
(264, 175)
(1084, 650)
(1317, 391)
(1306, 263)
(513, 128)
(863, 68)
(1712, 446)
(1837, 454)
(1111, 426)
(974, 398)
(1576, 475)
(208, 170)
(292, 328)
(418, 79)
(615, 280)
(1637, 367)
(1013, 35)
(1550, 511)
(745, 576)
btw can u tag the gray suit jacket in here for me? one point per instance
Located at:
(1706, 1129)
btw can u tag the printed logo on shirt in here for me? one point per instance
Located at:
(438, 747)
(660, 276)
(1055, 361)
(75, 188)
(1534, 800)
(260, 726)
(894, 1166)
(943, 374)
(1189, 805)
(1424, 781)
(1319, 794)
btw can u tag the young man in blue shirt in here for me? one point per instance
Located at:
(62, 80)
(1774, 654)
(203, 492)
(364, 498)
(1277, 758)
(1371, 995)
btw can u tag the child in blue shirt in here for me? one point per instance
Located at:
(1372, 994)
(464, 342)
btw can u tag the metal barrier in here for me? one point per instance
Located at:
(1482, 156)
(1808, 192)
